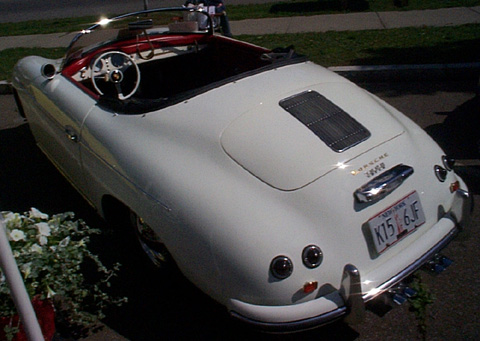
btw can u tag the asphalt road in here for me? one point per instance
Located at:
(163, 305)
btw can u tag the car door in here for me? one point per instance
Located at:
(56, 118)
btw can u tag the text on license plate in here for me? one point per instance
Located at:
(396, 222)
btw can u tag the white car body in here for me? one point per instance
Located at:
(229, 179)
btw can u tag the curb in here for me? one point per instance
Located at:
(383, 73)
(416, 72)
(5, 88)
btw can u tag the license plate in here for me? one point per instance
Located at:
(396, 222)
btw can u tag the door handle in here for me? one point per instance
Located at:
(71, 134)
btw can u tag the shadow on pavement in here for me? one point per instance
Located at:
(459, 133)
(447, 52)
(459, 136)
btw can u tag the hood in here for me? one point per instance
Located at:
(290, 142)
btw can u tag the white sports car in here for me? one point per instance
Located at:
(282, 190)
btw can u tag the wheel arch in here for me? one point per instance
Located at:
(114, 211)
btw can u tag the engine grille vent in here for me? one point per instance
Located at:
(330, 123)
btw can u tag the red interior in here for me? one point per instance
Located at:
(220, 59)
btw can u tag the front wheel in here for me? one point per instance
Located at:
(150, 242)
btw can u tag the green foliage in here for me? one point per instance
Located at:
(53, 257)
(420, 302)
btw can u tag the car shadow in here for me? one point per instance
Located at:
(161, 303)
(413, 83)
(459, 137)
(442, 53)
(459, 133)
(28, 179)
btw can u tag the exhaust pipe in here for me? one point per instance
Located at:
(438, 264)
(401, 293)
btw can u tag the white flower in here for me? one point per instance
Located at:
(17, 235)
(9, 217)
(34, 213)
(36, 248)
(12, 220)
(64, 242)
(26, 269)
(42, 240)
(43, 229)
(50, 292)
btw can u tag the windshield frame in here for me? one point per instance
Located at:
(74, 48)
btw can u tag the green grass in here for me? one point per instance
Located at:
(46, 26)
(251, 11)
(382, 47)
(428, 45)
(10, 57)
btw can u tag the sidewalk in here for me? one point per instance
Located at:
(359, 21)
(318, 23)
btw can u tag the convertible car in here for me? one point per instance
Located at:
(282, 190)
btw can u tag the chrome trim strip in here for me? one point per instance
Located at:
(384, 184)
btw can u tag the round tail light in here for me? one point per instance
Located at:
(448, 162)
(441, 173)
(281, 267)
(312, 256)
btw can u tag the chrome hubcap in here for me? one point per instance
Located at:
(151, 244)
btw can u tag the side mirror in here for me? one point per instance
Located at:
(48, 71)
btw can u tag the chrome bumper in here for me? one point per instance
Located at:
(351, 292)
(459, 213)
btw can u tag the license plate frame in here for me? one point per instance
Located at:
(396, 222)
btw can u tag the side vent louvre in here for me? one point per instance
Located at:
(331, 124)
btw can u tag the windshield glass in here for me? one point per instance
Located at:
(140, 26)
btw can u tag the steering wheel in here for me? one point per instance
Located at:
(114, 67)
